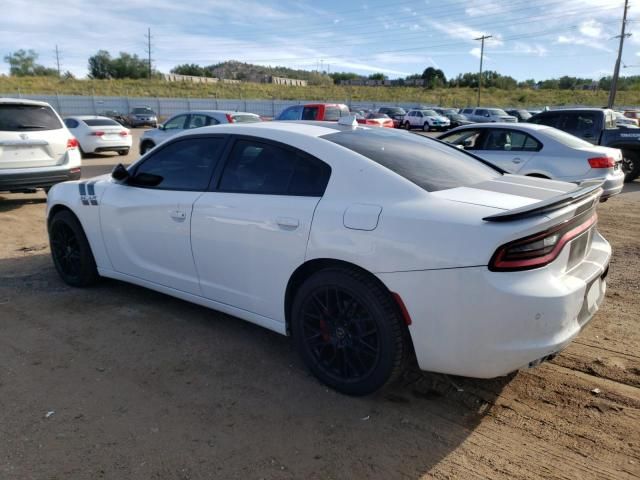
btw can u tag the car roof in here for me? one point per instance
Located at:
(24, 101)
(520, 125)
(88, 117)
(325, 104)
(219, 112)
(301, 127)
(582, 109)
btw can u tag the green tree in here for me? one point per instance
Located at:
(191, 69)
(377, 76)
(100, 65)
(433, 77)
(23, 63)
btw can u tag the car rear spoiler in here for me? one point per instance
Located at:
(591, 188)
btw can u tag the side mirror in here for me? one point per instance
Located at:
(160, 126)
(507, 146)
(119, 173)
(468, 143)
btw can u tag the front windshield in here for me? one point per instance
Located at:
(497, 111)
(430, 113)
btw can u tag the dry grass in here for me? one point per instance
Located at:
(452, 97)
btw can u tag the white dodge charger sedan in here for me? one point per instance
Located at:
(366, 245)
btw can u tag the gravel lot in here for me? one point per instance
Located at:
(119, 382)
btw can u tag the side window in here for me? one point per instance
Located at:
(481, 112)
(331, 113)
(499, 140)
(467, 111)
(610, 120)
(176, 123)
(263, 168)
(198, 120)
(466, 138)
(71, 123)
(580, 124)
(419, 114)
(521, 142)
(291, 113)
(549, 119)
(310, 113)
(183, 165)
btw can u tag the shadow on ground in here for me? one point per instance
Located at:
(145, 385)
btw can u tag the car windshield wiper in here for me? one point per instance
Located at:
(23, 126)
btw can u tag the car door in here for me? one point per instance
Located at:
(250, 233)
(417, 119)
(508, 149)
(146, 221)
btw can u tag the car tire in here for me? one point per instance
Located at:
(349, 331)
(630, 165)
(407, 126)
(123, 152)
(145, 147)
(71, 251)
(425, 127)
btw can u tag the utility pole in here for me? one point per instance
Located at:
(482, 39)
(58, 59)
(616, 70)
(149, 49)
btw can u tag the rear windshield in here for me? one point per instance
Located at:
(428, 163)
(101, 122)
(27, 118)
(566, 138)
(142, 110)
(245, 118)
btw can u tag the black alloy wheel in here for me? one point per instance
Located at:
(349, 331)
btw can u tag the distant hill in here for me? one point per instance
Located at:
(255, 73)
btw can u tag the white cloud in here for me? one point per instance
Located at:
(461, 31)
(581, 41)
(591, 29)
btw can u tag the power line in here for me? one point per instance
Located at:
(616, 70)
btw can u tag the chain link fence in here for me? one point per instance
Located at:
(165, 107)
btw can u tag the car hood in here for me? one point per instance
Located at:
(506, 192)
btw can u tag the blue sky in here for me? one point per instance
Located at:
(531, 38)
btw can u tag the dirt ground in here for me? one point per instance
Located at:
(119, 382)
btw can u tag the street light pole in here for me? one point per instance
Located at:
(482, 39)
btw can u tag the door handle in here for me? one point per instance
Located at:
(288, 222)
(178, 215)
(516, 160)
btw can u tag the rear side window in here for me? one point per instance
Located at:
(71, 123)
(239, 118)
(27, 118)
(310, 113)
(331, 113)
(182, 165)
(291, 113)
(428, 163)
(101, 122)
(264, 168)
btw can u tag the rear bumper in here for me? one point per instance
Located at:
(613, 184)
(143, 123)
(477, 323)
(41, 178)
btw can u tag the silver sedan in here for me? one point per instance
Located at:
(541, 151)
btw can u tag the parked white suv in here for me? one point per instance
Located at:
(425, 119)
(483, 115)
(36, 148)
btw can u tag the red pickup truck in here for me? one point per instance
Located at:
(329, 112)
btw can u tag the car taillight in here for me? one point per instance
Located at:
(602, 162)
(72, 143)
(97, 134)
(124, 133)
(539, 249)
(229, 118)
